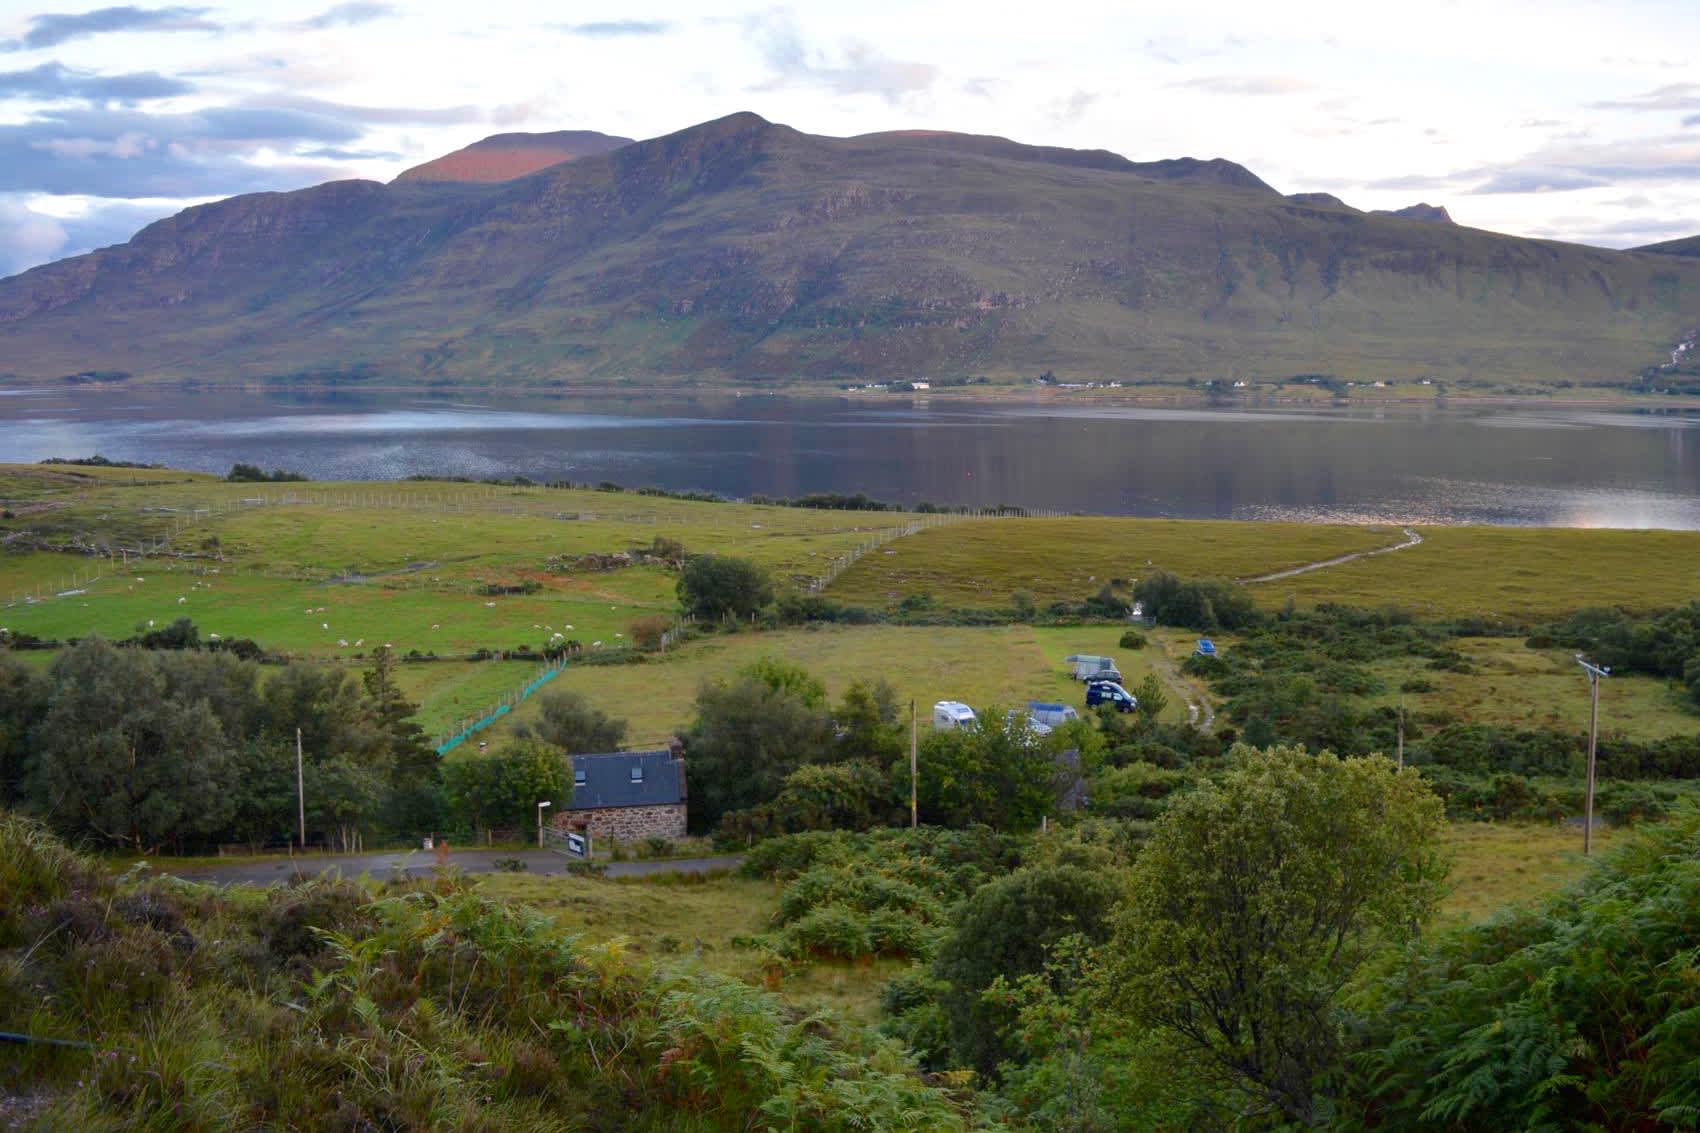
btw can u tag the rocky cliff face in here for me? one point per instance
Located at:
(743, 250)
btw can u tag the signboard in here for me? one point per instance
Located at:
(578, 845)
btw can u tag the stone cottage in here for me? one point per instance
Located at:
(628, 795)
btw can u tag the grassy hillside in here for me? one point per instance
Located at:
(741, 250)
(1505, 573)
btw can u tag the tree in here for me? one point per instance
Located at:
(854, 795)
(567, 721)
(998, 773)
(1151, 697)
(120, 761)
(413, 767)
(502, 788)
(1256, 900)
(720, 586)
(1006, 929)
(747, 737)
(867, 724)
(791, 679)
(23, 702)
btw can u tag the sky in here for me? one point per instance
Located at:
(1570, 121)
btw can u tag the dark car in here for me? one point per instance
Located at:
(1110, 692)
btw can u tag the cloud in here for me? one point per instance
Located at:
(1072, 108)
(616, 29)
(1617, 234)
(1538, 181)
(1672, 96)
(55, 81)
(27, 237)
(350, 14)
(1256, 85)
(129, 154)
(1568, 165)
(53, 28)
(356, 115)
(858, 68)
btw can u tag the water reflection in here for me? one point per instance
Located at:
(1588, 468)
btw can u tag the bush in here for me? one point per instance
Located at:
(1131, 639)
(714, 587)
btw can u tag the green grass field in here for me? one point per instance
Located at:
(1005, 665)
(1511, 573)
(1500, 865)
(1535, 688)
(983, 563)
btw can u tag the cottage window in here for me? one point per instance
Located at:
(637, 774)
(578, 777)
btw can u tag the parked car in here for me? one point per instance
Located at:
(1033, 724)
(1110, 692)
(1113, 676)
(1085, 666)
(1051, 715)
(953, 714)
(1206, 647)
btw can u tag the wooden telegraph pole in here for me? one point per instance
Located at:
(914, 809)
(1595, 672)
(1401, 736)
(300, 793)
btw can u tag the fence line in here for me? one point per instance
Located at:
(471, 725)
(938, 519)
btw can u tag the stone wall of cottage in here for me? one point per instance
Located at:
(628, 823)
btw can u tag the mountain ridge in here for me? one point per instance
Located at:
(502, 157)
(742, 250)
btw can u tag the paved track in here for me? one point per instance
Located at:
(387, 865)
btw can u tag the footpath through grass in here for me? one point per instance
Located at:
(981, 564)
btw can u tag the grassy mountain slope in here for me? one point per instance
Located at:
(1688, 246)
(502, 157)
(744, 250)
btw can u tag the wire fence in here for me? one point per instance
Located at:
(470, 726)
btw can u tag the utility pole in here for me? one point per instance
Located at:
(300, 793)
(1595, 672)
(914, 808)
(1401, 735)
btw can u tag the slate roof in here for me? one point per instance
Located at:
(608, 780)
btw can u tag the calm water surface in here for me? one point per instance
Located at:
(1466, 465)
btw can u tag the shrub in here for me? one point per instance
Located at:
(1131, 639)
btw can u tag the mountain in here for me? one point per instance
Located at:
(740, 250)
(1426, 213)
(502, 157)
(1688, 246)
(1325, 200)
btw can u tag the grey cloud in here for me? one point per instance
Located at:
(352, 114)
(1692, 120)
(1567, 165)
(55, 81)
(1256, 85)
(53, 28)
(130, 154)
(349, 14)
(340, 153)
(1672, 96)
(28, 238)
(1618, 234)
(1537, 181)
(1071, 108)
(615, 29)
(1416, 181)
(860, 70)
